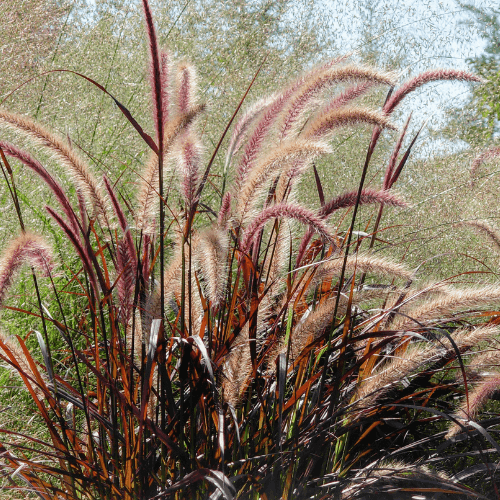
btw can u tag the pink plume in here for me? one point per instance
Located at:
(353, 92)
(288, 210)
(25, 248)
(165, 74)
(225, 210)
(426, 77)
(190, 157)
(367, 196)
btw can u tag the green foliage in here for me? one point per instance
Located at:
(478, 122)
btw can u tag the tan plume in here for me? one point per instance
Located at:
(237, 368)
(324, 125)
(317, 81)
(478, 397)
(148, 193)
(82, 177)
(455, 300)
(272, 165)
(367, 263)
(211, 255)
(485, 228)
(392, 373)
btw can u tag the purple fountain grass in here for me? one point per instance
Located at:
(453, 301)
(360, 263)
(267, 120)
(124, 226)
(26, 248)
(242, 127)
(84, 219)
(350, 94)
(484, 361)
(237, 369)
(478, 397)
(81, 174)
(177, 125)
(126, 279)
(186, 87)
(75, 240)
(172, 283)
(158, 94)
(225, 211)
(315, 80)
(258, 136)
(387, 375)
(189, 166)
(248, 194)
(211, 255)
(307, 330)
(289, 178)
(165, 82)
(39, 169)
(301, 100)
(324, 125)
(201, 350)
(287, 210)
(155, 69)
(395, 480)
(148, 193)
(147, 208)
(485, 228)
(428, 76)
(368, 196)
(346, 200)
(388, 180)
(395, 98)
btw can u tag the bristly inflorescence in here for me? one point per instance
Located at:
(234, 340)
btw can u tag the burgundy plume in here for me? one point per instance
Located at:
(155, 73)
(288, 210)
(351, 93)
(83, 212)
(392, 162)
(126, 282)
(40, 170)
(185, 90)
(87, 264)
(165, 75)
(241, 128)
(132, 258)
(345, 201)
(190, 164)
(426, 77)
(225, 210)
(258, 135)
(367, 196)
(301, 100)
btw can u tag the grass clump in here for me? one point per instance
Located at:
(239, 345)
